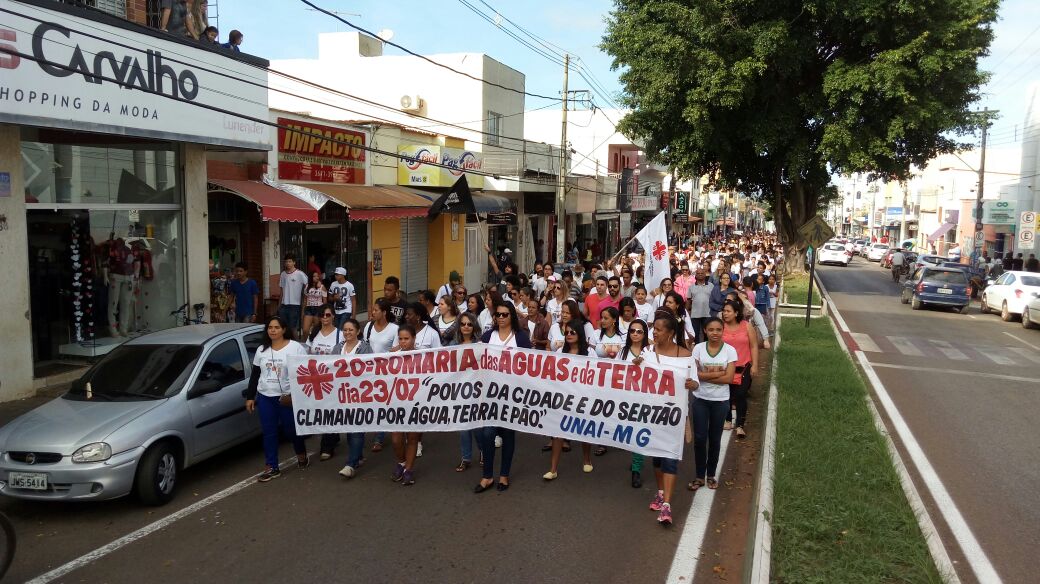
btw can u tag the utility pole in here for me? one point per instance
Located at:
(977, 245)
(561, 187)
(903, 232)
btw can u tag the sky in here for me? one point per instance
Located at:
(285, 29)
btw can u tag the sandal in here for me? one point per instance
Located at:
(695, 484)
(566, 446)
(713, 483)
(547, 448)
(600, 451)
(740, 432)
(462, 466)
(727, 426)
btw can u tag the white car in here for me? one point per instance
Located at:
(857, 245)
(877, 251)
(1031, 312)
(834, 253)
(1010, 293)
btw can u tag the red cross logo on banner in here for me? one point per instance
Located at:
(659, 250)
(316, 379)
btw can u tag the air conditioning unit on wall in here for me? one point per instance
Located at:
(412, 103)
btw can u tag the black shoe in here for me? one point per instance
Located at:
(481, 487)
(637, 481)
(269, 474)
(502, 486)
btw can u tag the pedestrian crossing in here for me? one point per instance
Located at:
(945, 349)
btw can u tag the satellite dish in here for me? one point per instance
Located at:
(385, 35)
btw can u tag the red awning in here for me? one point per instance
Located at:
(275, 204)
(372, 202)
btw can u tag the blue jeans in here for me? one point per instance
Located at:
(342, 318)
(487, 447)
(667, 465)
(466, 438)
(273, 416)
(355, 444)
(291, 314)
(708, 417)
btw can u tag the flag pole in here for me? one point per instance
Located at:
(623, 248)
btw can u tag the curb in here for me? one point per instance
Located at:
(936, 548)
(762, 540)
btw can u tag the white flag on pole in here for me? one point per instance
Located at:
(654, 239)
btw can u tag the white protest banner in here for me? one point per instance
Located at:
(654, 239)
(641, 408)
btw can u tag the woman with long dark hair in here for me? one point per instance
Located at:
(576, 343)
(718, 294)
(268, 392)
(467, 332)
(352, 346)
(538, 325)
(609, 338)
(324, 339)
(425, 331)
(315, 297)
(637, 348)
(505, 332)
(406, 444)
(668, 352)
(716, 364)
(569, 311)
(661, 292)
(447, 319)
(742, 336)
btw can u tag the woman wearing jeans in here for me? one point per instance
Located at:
(353, 345)
(268, 392)
(742, 336)
(716, 362)
(467, 333)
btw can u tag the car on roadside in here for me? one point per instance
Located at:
(1010, 292)
(930, 260)
(909, 259)
(937, 286)
(834, 253)
(150, 408)
(857, 246)
(877, 251)
(1031, 312)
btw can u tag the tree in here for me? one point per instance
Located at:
(773, 97)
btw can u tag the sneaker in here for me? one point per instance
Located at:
(498, 442)
(398, 472)
(302, 461)
(408, 479)
(418, 451)
(347, 472)
(665, 516)
(325, 456)
(361, 462)
(658, 501)
(377, 447)
(269, 474)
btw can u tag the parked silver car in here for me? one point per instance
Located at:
(153, 406)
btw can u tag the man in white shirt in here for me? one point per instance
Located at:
(897, 263)
(454, 279)
(343, 297)
(293, 282)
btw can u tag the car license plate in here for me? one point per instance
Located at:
(36, 481)
(945, 290)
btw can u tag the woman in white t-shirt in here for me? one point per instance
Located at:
(662, 292)
(569, 311)
(324, 337)
(576, 343)
(644, 310)
(637, 348)
(716, 364)
(554, 305)
(447, 319)
(268, 392)
(608, 339)
(668, 353)
(406, 444)
(351, 346)
(426, 334)
(380, 333)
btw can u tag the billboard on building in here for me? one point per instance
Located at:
(999, 213)
(63, 71)
(319, 153)
(414, 168)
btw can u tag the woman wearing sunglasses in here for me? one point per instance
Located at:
(660, 293)
(569, 311)
(637, 348)
(505, 332)
(576, 343)
(323, 339)
(554, 305)
(466, 333)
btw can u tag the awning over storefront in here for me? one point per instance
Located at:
(368, 203)
(942, 230)
(486, 203)
(275, 204)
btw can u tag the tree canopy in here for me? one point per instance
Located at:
(773, 97)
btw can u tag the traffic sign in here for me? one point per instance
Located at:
(816, 231)
(1027, 230)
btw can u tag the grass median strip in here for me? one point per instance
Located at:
(840, 514)
(796, 287)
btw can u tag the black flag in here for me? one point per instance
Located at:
(457, 201)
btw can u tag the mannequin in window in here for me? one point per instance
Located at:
(122, 268)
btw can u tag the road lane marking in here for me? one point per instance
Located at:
(1027, 354)
(905, 347)
(865, 342)
(957, 372)
(149, 529)
(684, 564)
(995, 355)
(973, 552)
(972, 316)
(947, 349)
(1023, 341)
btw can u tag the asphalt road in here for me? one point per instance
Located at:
(967, 386)
(313, 525)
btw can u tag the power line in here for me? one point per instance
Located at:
(423, 57)
(553, 48)
(491, 21)
(1017, 47)
(260, 121)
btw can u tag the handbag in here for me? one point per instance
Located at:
(285, 399)
(738, 377)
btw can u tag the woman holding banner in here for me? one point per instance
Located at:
(352, 346)
(505, 332)
(576, 343)
(668, 352)
(608, 339)
(637, 347)
(716, 363)
(426, 334)
(466, 333)
(406, 444)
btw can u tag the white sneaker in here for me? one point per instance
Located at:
(418, 451)
(325, 456)
(347, 471)
(498, 442)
